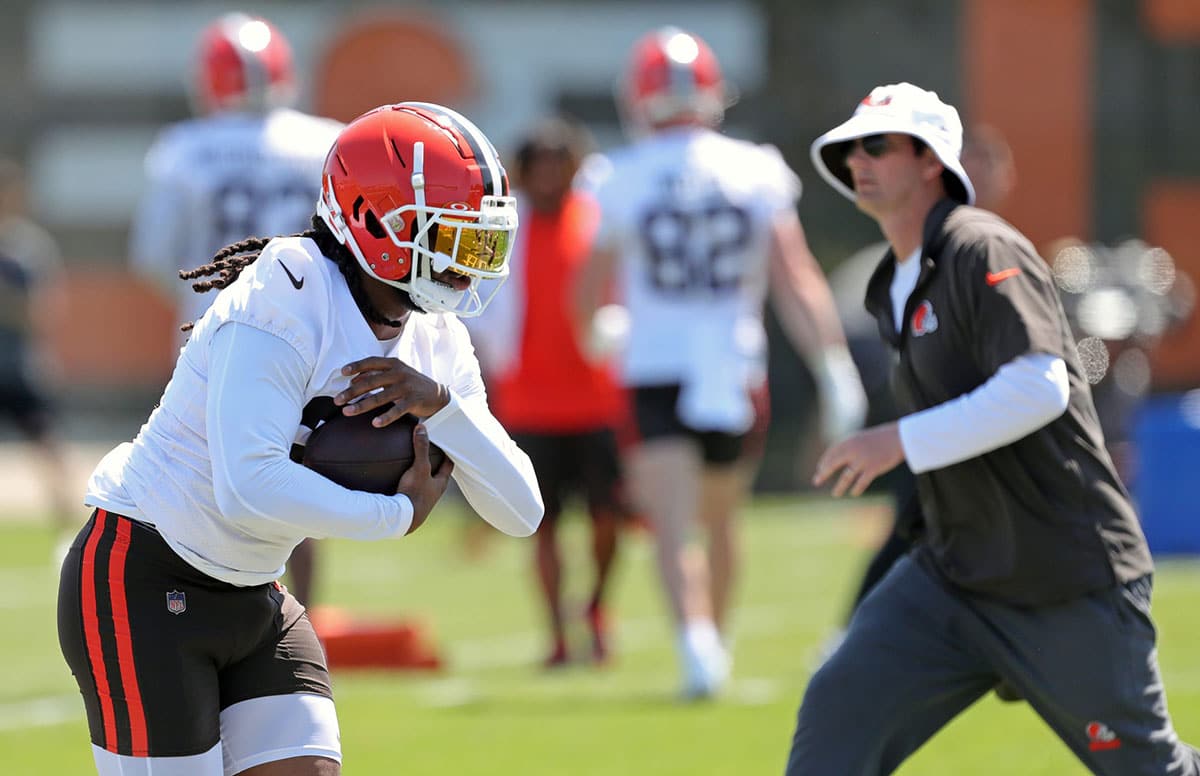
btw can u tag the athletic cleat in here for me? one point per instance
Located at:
(705, 672)
(558, 657)
(597, 621)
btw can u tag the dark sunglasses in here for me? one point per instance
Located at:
(874, 146)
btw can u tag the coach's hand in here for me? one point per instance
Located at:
(409, 390)
(860, 458)
(423, 486)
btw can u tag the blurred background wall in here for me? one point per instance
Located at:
(1099, 99)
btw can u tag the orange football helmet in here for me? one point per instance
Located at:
(415, 189)
(243, 63)
(673, 77)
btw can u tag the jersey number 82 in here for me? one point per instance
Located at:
(695, 250)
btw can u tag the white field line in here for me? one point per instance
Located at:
(26, 587)
(40, 712)
(454, 692)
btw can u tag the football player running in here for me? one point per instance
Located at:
(247, 164)
(696, 227)
(191, 659)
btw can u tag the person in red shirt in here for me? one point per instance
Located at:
(561, 407)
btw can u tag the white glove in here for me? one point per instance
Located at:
(843, 401)
(608, 333)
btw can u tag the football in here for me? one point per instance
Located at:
(350, 451)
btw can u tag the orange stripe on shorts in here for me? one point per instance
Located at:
(91, 630)
(129, 683)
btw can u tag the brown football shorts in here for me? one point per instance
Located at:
(159, 649)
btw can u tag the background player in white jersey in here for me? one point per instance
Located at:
(247, 165)
(696, 227)
(182, 643)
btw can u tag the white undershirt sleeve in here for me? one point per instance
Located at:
(495, 475)
(1024, 395)
(256, 393)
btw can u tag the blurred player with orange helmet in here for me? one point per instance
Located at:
(696, 228)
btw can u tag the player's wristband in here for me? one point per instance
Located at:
(843, 401)
(608, 333)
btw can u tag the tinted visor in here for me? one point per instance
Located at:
(470, 246)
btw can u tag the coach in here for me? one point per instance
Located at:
(1033, 570)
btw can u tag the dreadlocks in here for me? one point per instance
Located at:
(229, 262)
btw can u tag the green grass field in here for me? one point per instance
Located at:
(492, 711)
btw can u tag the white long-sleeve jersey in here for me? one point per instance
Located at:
(211, 467)
(689, 213)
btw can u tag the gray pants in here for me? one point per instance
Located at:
(918, 652)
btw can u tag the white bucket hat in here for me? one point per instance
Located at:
(902, 108)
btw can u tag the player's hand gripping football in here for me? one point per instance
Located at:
(408, 389)
(860, 458)
(422, 486)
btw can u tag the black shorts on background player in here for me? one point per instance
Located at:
(585, 462)
(655, 412)
(25, 406)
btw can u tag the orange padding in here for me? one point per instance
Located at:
(352, 642)
(1172, 21)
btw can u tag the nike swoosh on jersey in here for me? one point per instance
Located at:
(297, 284)
(993, 278)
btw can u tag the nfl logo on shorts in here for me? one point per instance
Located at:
(176, 602)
